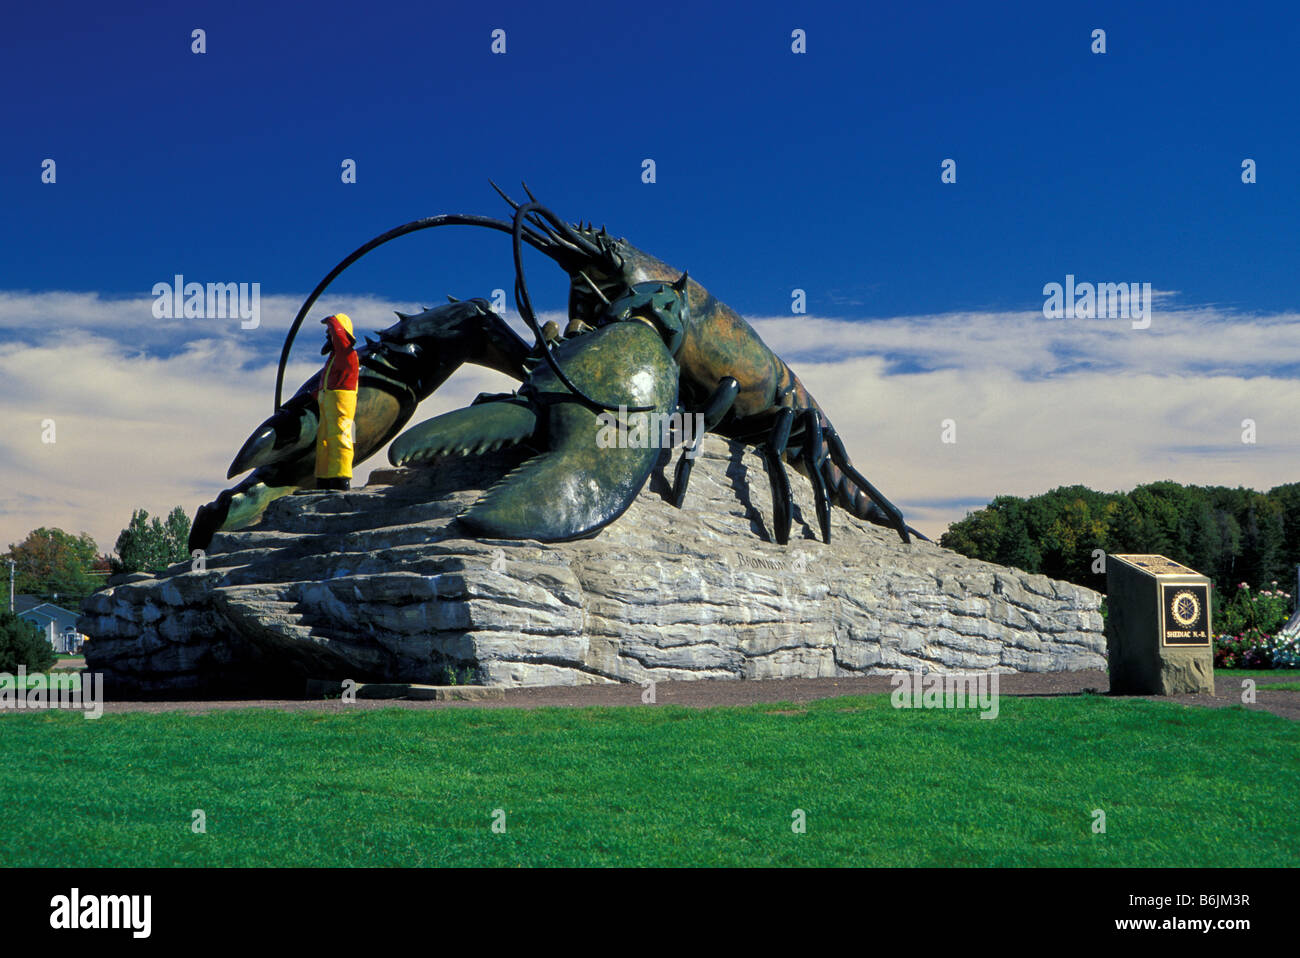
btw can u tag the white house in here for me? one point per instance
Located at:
(57, 624)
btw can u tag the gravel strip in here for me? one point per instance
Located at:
(707, 694)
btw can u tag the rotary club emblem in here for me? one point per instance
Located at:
(1185, 608)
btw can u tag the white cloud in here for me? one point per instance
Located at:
(143, 418)
(149, 413)
(1179, 342)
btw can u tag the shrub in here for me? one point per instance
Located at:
(1266, 610)
(1249, 630)
(1286, 650)
(1252, 649)
(1247, 650)
(21, 643)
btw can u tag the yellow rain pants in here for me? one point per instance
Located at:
(338, 409)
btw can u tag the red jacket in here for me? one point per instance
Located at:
(342, 368)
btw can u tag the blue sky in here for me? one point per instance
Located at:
(774, 170)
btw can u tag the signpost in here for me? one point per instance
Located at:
(1158, 631)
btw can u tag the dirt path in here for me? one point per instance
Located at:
(706, 694)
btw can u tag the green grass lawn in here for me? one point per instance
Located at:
(1257, 673)
(657, 785)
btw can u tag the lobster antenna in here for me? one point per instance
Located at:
(427, 222)
(546, 231)
(502, 193)
(594, 288)
(557, 237)
(529, 317)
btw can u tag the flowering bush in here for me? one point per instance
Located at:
(1248, 650)
(1286, 650)
(1251, 631)
(1266, 610)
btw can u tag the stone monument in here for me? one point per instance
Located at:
(382, 585)
(1158, 628)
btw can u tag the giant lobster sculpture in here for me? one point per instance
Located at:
(642, 339)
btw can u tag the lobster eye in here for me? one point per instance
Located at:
(610, 261)
(660, 306)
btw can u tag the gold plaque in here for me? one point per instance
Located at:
(1184, 614)
(1157, 565)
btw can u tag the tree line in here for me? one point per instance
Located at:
(57, 566)
(1231, 535)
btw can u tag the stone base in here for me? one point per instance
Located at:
(1181, 675)
(381, 585)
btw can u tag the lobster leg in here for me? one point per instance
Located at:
(773, 452)
(773, 449)
(813, 456)
(718, 405)
(841, 460)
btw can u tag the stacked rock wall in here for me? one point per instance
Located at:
(380, 584)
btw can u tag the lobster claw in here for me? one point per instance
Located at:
(288, 433)
(582, 479)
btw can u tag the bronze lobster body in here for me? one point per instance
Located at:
(703, 359)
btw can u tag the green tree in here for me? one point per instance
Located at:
(1231, 535)
(1288, 498)
(51, 562)
(1262, 540)
(1000, 532)
(150, 545)
(21, 643)
(1078, 528)
(979, 535)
